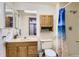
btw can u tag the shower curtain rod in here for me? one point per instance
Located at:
(67, 4)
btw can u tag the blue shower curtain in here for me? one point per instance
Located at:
(61, 24)
(61, 31)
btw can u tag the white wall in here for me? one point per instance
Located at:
(2, 25)
(2, 15)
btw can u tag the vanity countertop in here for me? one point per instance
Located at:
(22, 40)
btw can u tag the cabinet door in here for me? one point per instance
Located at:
(42, 18)
(46, 21)
(32, 51)
(11, 51)
(22, 51)
(50, 20)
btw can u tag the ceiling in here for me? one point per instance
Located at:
(45, 3)
(35, 3)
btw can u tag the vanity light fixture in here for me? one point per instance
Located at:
(30, 11)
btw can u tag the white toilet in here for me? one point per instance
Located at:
(47, 47)
(50, 53)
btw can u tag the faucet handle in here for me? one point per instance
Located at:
(25, 37)
(3, 37)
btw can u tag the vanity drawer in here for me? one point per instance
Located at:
(32, 43)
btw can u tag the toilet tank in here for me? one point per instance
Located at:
(47, 44)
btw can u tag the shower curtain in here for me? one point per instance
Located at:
(61, 30)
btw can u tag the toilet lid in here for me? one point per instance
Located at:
(50, 53)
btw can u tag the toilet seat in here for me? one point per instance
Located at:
(50, 53)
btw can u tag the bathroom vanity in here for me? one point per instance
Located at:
(21, 48)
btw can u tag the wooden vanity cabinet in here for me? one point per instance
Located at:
(21, 49)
